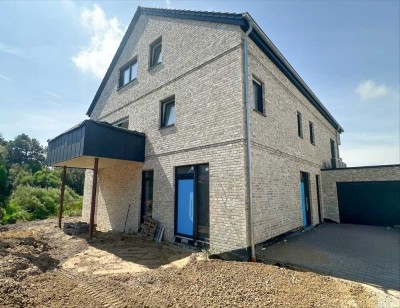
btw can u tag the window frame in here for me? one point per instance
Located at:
(261, 85)
(299, 124)
(163, 106)
(122, 70)
(312, 132)
(120, 121)
(153, 45)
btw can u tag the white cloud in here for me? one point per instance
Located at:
(4, 77)
(106, 34)
(369, 89)
(15, 51)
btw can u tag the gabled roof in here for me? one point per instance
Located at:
(242, 20)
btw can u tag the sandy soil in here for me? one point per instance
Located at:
(42, 267)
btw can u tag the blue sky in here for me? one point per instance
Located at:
(54, 54)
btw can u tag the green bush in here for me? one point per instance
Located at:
(11, 213)
(30, 203)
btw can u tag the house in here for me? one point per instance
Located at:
(202, 124)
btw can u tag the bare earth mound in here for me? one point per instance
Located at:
(42, 267)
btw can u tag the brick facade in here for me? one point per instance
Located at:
(203, 68)
(279, 154)
(363, 174)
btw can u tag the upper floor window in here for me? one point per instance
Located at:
(155, 52)
(258, 104)
(312, 138)
(124, 123)
(168, 112)
(128, 72)
(299, 125)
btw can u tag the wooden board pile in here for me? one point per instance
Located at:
(149, 228)
(152, 230)
(75, 228)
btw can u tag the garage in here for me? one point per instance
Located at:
(375, 203)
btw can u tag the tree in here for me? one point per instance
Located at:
(3, 182)
(26, 151)
(18, 175)
(75, 179)
(45, 178)
(3, 155)
(2, 140)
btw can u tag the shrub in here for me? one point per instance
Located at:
(44, 178)
(29, 203)
(10, 213)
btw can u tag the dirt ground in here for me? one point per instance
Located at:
(40, 266)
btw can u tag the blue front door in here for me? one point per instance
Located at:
(305, 198)
(185, 207)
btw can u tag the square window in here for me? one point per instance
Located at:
(312, 139)
(258, 96)
(168, 113)
(299, 125)
(155, 53)
(128, 73)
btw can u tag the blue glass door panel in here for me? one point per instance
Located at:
(185, 208)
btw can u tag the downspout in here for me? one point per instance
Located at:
(338, 143)
(248, 135)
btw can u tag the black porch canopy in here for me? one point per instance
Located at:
(80, 145)
(93, 145)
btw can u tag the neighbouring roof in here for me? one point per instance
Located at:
(257, 35)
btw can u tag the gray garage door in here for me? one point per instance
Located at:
(369, 203)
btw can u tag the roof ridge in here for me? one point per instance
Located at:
(144, 8)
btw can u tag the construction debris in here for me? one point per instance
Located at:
(148, 228)
(75, 228)
(159, 234)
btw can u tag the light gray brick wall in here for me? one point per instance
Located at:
(186, 45)
(202, 67)
(279, 154)
(329, 179)
(117, 187)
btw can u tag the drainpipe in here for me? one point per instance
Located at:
(248, 135)
(337, 143)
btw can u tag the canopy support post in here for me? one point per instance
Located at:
(61, 210)
(94, 188)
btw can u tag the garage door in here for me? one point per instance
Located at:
(369, 203)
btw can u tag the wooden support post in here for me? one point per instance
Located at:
(94, 188)
(61, 210)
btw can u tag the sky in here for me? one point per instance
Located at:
(54, 54)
